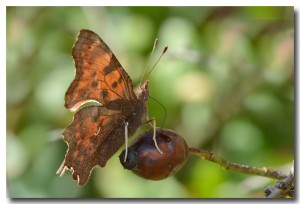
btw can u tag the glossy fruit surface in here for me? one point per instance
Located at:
(145, 160)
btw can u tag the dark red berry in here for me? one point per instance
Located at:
(146, 161)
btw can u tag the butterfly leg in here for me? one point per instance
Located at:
(126, 141)
(152, 122)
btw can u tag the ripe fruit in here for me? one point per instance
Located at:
(144, 159)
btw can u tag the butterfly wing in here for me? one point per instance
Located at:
(99, 76)
(95, 134)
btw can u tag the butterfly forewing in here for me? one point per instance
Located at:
(99, 75)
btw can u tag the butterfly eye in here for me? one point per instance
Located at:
(145, 160)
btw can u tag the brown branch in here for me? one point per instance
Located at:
(238, 168)
(282, 188)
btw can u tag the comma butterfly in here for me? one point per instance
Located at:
(97, 131)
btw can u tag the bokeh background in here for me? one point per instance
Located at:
(227, 83)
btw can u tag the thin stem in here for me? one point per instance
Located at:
(238, 168)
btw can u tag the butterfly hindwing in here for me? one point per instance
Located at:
(91, 128)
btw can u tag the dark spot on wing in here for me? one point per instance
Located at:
(95, 84)
(108, 69)
(114, 85)
(104, 94)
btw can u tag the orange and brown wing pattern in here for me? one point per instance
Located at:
(99, 76)
(92, 127)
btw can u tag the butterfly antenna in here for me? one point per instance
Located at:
(165, 110)
(163, 52)
(149, 58)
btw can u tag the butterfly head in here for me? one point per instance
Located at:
(142, 91)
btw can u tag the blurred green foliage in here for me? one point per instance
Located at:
(227, 82)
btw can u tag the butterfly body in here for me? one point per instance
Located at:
(97, 131)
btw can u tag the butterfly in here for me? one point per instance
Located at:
(97, 131)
